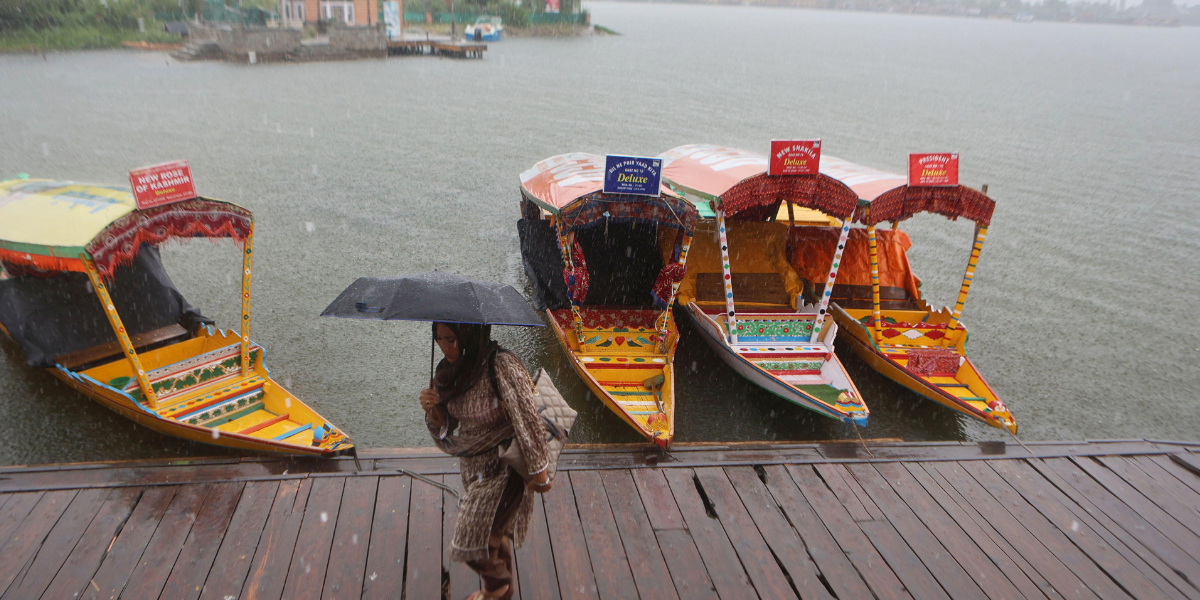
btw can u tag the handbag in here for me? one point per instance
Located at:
(557, 417)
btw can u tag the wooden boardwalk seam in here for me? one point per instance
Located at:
(1106, 519)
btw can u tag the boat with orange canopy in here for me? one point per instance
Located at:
(741, 292)
(86, 297)
(595, 265)
(877, 299)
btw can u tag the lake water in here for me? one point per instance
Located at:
(1083, 310)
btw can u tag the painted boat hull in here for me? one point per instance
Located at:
(863, 344)
(120, 401)
(589, 368)
(771, 383)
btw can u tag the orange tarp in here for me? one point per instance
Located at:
(754, 247)
(812, 250)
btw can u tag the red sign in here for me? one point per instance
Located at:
(795, 157)
(933, 169)
(157, 185)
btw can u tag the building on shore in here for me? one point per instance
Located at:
(297, 13)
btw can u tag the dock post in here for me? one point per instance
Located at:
(245, 328)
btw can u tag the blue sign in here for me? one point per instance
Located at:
(632, 175)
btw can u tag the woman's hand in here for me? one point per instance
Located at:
(540, 483)
(429, 399)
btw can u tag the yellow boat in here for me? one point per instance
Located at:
(595, 264)
(740, 291)
(85, 296)
(878, 302)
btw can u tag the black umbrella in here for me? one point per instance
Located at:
(433, 296)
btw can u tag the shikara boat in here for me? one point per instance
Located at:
(87, 298)
(878, 301)
(597, 272)
(740, 290)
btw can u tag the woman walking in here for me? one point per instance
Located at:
(468, 415)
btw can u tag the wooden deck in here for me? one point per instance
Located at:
(1113, 519)
(439, 47)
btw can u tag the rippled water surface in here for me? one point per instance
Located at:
(1083, 311)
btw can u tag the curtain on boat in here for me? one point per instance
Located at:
(60, 314)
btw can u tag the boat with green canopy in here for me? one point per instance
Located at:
(85, 295)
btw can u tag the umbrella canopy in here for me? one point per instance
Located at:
(433, 296)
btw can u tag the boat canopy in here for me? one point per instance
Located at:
(739, 180)
(953, 202)
(867, 182)
(53, 225)
(570, 186)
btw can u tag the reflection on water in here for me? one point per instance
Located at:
(1087, 135)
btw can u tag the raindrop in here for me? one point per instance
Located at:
(324, 516)
(278, 128)
(216, 433)
(314, 169)
(45, 149)
(287, 401)
(1074, 526)
(312, 132)
(354, 539)
(309, 226)
(373, 576)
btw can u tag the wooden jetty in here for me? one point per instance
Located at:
(435, 46)
(1109, 519)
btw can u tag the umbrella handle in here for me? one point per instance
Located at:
(432, 347)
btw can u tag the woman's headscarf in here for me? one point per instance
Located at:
(475, 345)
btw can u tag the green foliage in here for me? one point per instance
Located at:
(81, 24)
(513, 15)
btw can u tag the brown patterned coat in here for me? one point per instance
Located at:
(478, 411)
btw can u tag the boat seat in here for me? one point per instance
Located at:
(89, 357)
(860, 297)
(761, 291)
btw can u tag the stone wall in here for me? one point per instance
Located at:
(367, 39)
(239, 41)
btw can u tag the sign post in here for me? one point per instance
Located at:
(633, 175)
(161, 184)
(795, 157)
(933, 170)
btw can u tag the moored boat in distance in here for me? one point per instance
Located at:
(87, 298)
(594, 262)
(485, 29)
(878, 301)
(741, 292)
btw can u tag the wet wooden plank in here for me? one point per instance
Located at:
(21, 546)
(571, 560)
(15, 511)
(860, 550)
(277, 543)
(1161, 476)
(1021, 535)
(1179, 503)
(656, 497)
(351, 539)
(770, 522)
(650, 572)
(242, 531)
(1182, 475)
(946, 550)
(306, 576)
(88, 553)
(423, 577)
(195, 559)
(685, 566)
(720, 559)
(1165, 522)
(157, 561)
(1082, 515)
(858, 504)
(760, 564)
(1125, 517)
(1039, 493)
(614, 580)
(839, 573)
(1016, 571)
(536, 573)
(384, 575)
(463, 579)
(58, 544)
(127, 549)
